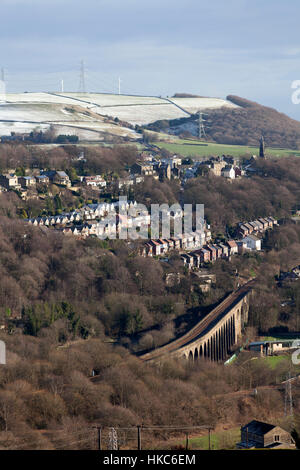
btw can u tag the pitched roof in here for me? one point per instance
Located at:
(221, 245)
(258, 427)
(217, 247)
(252, 237)
(211, 248)
(62, 174)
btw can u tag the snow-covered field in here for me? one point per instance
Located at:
(146, 109)
(103, 99)
(40, 112)
(192, 105)
(38, 98)
(19, 127)
(35, 115)
(144, 114)
(101, 127)
(88, 110)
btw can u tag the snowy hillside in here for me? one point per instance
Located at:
(23, 112)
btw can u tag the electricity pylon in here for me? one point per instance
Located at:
(201, 128)
(81, 88)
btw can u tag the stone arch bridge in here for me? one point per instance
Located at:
(215, 335)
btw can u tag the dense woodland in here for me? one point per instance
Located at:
(245, 126)
(49, 400)
(73, 306)
(99, 159)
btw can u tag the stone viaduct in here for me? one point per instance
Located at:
(215, 335)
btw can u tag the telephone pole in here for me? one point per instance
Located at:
(119, 85)
(139, 436)
(99, 436)
(187, 441)
(288, 398)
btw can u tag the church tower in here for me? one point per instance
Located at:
(262, 147)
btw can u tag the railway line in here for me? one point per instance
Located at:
(203, 326)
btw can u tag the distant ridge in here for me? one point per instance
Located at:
(186, 95)
(242, 124)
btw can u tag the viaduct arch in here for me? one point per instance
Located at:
(215, 335)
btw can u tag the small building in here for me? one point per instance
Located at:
(27, 181)
(256, 226)
(197, 259)
(143, 168)
(188, 260)
(260, 435)
(58, 177)
(95, 181)
(270, 348)
(42, 179)
(176, 242)
(219, 251)
(253, 243)
(124, 182)
(225, 250)
(170, 243)
(146, 250)
(259, 225)
(228, 172)
(217, 166)
(213, 252)
(156, 247)
(204, 255)
(249, 227)
(243, 230)
(9, 181)
(164, 246)
(242, 247)
(264, 223)
(270, 221)
(61, 177)
(275, 222)
(233, 248)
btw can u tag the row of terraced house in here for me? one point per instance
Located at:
(188, 241)
(248, 231)
(210, 253)
(103, 220)
(259, 225)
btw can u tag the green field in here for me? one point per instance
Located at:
(273, 361)
(204, 149)
(218, 440)
(283, 359)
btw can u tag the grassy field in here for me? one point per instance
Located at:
(283, 359)
(273, 361)
(278, 337)
(219, 440)
(205, 149)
